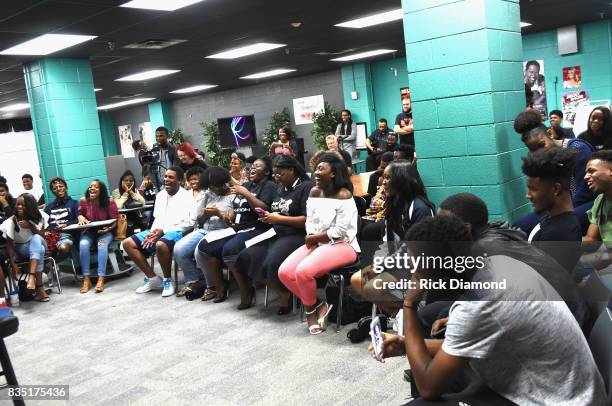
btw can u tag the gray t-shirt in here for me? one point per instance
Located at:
(532, 352)
(208, 199)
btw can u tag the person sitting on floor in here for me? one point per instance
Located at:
(96, 205)
(287, 216)
(256, 194)
(210, 209)
(127, 197)
(331, 239)
(507, 339)
(171, 221)
(24, 233)
(62, 212)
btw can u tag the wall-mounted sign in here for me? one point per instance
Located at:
(534, 80)
(572, 77)
(126, 140)
(305, 107)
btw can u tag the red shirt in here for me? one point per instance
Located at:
(93, 212)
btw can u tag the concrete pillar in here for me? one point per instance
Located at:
(160, 115)
(465, 72)
(65, 121)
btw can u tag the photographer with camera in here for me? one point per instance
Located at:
(161, 156)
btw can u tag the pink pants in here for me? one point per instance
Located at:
(299, 270)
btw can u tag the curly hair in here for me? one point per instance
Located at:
(468, 207)
(552, 164)
(603, 155)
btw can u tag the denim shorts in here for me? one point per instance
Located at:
(169, 239)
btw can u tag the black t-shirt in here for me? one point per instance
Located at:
(403, 120)
(291, 202)
(346, 157)
(378, 138)
(246, 216)
(560, 237)
(373, 182)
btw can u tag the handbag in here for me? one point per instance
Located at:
(23, 293)
(51, 238)
(122, 225)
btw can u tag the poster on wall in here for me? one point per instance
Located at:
(534, 80)
(125, 139)
(572, 77)
(571, 103)
(305, 107)
(146, 134)
(405, 93)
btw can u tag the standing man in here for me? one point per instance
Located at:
(404, 125)
(165, 152)
(172, 221)
(376, 144)
(556, 121)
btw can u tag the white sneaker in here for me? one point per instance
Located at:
(168, 287)
(150, 284)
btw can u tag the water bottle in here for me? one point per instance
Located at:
(14, 298)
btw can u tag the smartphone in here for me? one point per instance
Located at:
(377, 338)
(260, 211)
(440, 333)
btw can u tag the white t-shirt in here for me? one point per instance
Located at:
(172, 213)
(23, 235)
(529, 351)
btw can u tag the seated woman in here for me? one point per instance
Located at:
(376, 211)
(147, 190)
(288, 218)
(188, 158)
(285, 145)
(96, 206)
(24, 233)
(127, 197)
(237, 169)
(331, 240)
(407, 204)
(210, 209)
(257, 193)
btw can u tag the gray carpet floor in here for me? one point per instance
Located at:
(120, 348)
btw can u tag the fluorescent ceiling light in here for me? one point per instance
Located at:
(126, 103)
(269, 73)
(15, 107)
(150, 74)
(362, 55)
(374, 19)
(193, 89)
(47, 44)
(97, 90)
(164, 5)
(247, 50)
(524, 24)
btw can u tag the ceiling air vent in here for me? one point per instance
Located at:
(155, 43)
(332, 53)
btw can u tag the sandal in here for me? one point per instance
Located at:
(43, 299)
(183, 292)
(323, 320)
(209, 294)
(316, 328)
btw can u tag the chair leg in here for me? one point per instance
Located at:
(295, 303)
(56, 274)
(7, 370)
(176, 281)
(74, 272)
(340, 297)
(266, 297)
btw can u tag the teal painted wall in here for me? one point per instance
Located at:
(386, 86)
(160, 115)
(594, 58)
(107, 129)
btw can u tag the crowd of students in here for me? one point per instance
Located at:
(266, 220)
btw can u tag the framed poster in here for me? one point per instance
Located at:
(305, 107)
(572, 77)
(571, 103)
(125, 140)
(534, 80)
(405, 93)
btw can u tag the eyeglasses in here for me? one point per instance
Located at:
(279, 173)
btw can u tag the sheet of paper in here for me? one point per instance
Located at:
(89, 225)
(219, 234)
(259, 238)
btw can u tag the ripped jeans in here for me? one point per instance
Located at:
(87, 240)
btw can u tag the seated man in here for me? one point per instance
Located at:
(599, 178)
(558, 233)
(374, 181)
(508, 337)
(62, 212)
(172, 221)
(376, 144)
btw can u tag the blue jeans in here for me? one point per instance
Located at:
(185, 257)
(87, 240)
(33, 249)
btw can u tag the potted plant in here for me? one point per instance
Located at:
(324, 123)
(212, 145)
